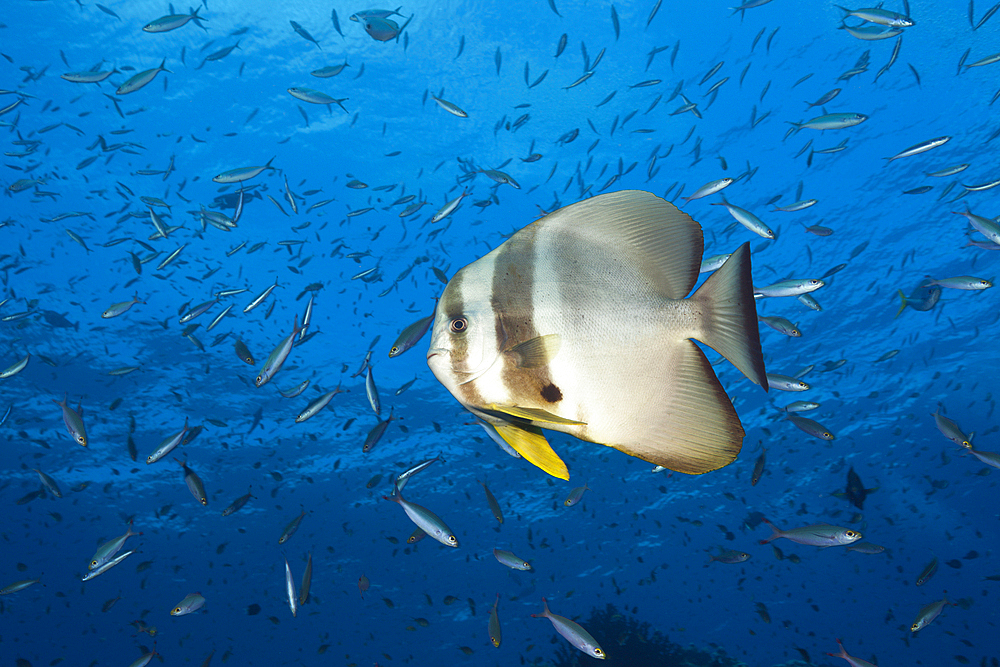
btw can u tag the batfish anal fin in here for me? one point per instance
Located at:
(693, 427)
(532, 414)
(529, 442)
(535, 353)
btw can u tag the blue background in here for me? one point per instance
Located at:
(632, 525)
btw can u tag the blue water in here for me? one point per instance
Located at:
(638, 540)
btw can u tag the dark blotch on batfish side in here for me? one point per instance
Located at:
(551, 393)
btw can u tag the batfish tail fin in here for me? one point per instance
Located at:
(730, 324)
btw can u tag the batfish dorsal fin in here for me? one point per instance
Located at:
(531, 444)
(659, 241)
(535, 353)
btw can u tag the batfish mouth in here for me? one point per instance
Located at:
(435, 351)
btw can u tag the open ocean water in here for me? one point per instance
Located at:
(84, 165)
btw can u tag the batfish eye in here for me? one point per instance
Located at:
(459, 324)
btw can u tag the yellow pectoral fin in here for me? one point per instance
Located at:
(535, 353)
(532, 445)
(532, 414)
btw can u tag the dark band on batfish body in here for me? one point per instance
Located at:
(452, 306)
(512, 297)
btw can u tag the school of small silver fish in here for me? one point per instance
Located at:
(669, 335)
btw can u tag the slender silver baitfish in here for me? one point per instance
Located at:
(241, 174)
(447, 209)
(405, 476)
(710, 188)
(194, 483)
(172, 22)
(510, 560)
(817, 535)
(15, 368)
(87, 77)
(317, 404)
(316, 97)
(410, 336)
(917, 149)
(449, 107)
(168, 444)
(812, 427)
(191, 603)
(554, 329)
(73, 421)
(929, 613)
(792, 287)
(239, 502)
(748, 220)
(293, 601)
(833, 121)
(278, 356)
(108, 550)
(141, 79)
(290, 529)
(879, 16)
(108, 565)
(573, 632)
(425, 519)
(18, 586)
(49, 483)
(372, 392)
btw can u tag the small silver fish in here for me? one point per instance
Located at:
(73, 421)
(293, 601)
(425, 519)
(817, 535)
(573, 633)
(190, 604)
(449, 107)
(510, 560)
(927, 615)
